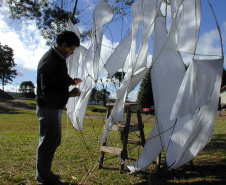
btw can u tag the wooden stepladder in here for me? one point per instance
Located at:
(124, 130)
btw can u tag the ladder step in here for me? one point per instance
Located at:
(111, 150)
(135, 107)
(134, 142)
(132, 128)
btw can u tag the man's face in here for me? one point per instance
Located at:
(69, 50)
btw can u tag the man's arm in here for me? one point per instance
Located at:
(74, 81)
(74, 92)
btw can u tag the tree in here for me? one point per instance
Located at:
(51, 17)
(92, 96)
(120, 6)
(102, 94)
(223, 83)
(118, 77)
(27, 88)
(145, 95)
(7, 73)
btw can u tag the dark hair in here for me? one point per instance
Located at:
(69, 37)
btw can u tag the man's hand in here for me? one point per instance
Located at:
(74, 92)
(77, 81)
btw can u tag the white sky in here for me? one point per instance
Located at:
(29, 46)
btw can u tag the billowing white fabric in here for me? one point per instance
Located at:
(188, 27)
(151, 150)
(73, 28)
(73, 60)
(90, 63)
(155, 142)
(137, 17)
(196, 89)
(118, 109)
(77, 117)
(102, 15)
(174, 7)
(185, 101)
(146, 11)
(195, 105)
(149, 11)
(167, 74)
(118, 57)
(117, 113)
(142, 11)
(195, 118)
(73, 65)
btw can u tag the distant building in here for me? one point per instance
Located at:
(223, 97)
(95, 102)
(100, 102)
(111, 100)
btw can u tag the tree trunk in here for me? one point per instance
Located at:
(75, 7)
(3, 80)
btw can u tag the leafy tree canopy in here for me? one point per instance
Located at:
(92, 96)
(145, 95)
(27, 88)
(7, 71)
(118, 77)
(51, 16)
(120, 6)
(103, 93)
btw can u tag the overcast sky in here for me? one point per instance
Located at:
(29, 46)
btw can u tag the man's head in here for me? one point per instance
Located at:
(67, 42)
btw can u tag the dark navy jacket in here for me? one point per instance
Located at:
(53, 81)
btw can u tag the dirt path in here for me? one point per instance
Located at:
(18, 104)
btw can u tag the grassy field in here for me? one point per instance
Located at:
(76, 159)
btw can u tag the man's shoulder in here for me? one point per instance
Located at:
(46, 59)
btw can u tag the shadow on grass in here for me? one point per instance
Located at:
(16, 107)
(211, 169)
(199, 176)
(99, 110)
(208, 171)
(4, 110)
(111, 169)
(21, 105)
(216, 143)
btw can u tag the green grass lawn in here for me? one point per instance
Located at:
(78, 155)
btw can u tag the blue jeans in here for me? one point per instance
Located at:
(49, 140)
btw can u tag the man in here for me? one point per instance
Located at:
(53, 84)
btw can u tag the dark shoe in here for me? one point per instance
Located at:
(54, 176)
(51, 182)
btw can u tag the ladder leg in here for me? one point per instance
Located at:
(124, 154)
(101, 160)
(141, 127)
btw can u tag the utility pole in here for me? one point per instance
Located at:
(16, 88)
(104, 93)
